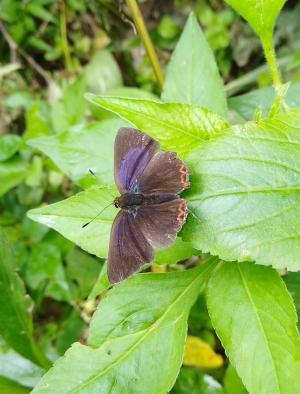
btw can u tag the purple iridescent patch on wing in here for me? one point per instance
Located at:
(132, 166)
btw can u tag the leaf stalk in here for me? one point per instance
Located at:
(146, 40)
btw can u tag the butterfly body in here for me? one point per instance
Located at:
(131, 201)
(152, 211)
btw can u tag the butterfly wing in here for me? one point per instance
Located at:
(133, 151)
(160, 223)
(128, 249)
(164, 174)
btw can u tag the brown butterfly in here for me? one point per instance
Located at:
(152, 212)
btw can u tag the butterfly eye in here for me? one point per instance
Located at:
(116, 204)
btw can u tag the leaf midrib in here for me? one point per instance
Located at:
(150, 330)
(248, 191)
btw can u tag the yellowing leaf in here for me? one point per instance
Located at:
(198, 353)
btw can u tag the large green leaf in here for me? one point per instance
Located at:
(78, 150)
(136, 338)
(15, 312)
(245, 193)
(68, 217)
(260, 14)
(262, 99)
(12, 172)
(177, 127)
(192, 75)
(255, 318)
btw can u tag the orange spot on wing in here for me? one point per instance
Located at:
(184, 176)
(182, 212)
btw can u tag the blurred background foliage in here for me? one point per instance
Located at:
(51, 53)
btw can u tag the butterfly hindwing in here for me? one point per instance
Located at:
(129, 250)
(133, 152)
(160, 223)
(165, 173)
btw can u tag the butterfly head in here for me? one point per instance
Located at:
(117, 202)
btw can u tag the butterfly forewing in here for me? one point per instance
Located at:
(129, 250)
(133, 151)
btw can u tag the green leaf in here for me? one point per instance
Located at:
(68, 216)
(13, 366)
(260, 14)
(83, 269)
(9, 145)
(255, 319)
(15, 313)
(178, 127)
(71, 109)
(245, 193)
(101, 284)
(69, 332)
(192, 75)
(12, 172)
(247, 104)
(45, 270)
(77, 151)
(179, 251)
(122, 91)
(143, 318)
(292, 281)
(8, 386)
(103, 73)
(37, 120)
(233, 383)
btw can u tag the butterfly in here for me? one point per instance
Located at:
(152, 211)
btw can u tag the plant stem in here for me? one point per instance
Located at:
(239, 84)
(271, 60)
(144, 35)
(279, 102)
(40, 357)
(64, 37)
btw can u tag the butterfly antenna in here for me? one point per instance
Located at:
(95, 176)
(86, 224)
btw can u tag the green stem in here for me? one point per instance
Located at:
(144, 35)
(41, 359)
(64, 36)
(249, 79)
(269, 49)
(271, 60)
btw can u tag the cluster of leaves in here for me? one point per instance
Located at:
(244, 199)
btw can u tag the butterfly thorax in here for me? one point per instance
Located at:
(128, 200)
(132, 200)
